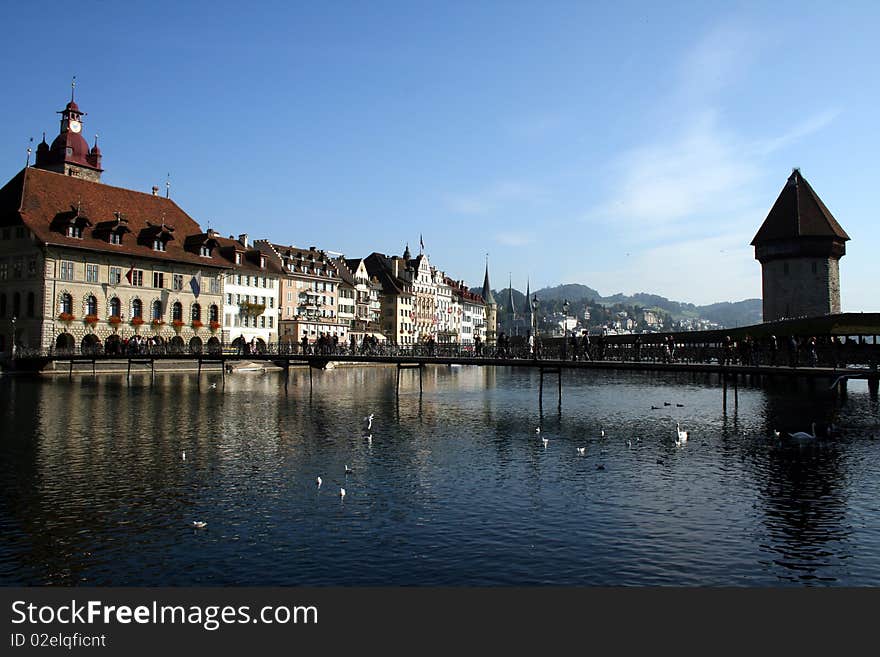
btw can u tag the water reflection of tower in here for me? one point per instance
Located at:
(802, 493)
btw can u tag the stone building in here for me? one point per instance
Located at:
(250, 290)
(359, 299)
(397, 301)
(491, 310)
(799, 246)
(85, 264)
(308, 300)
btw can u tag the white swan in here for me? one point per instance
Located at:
(213, 385)
(319, 481)
(802, 435)
(183, 455)
(368, 421)
(538, 430)
(682, 435)
(348, 470)
(545, 441)
(582, 450)
(198, 524)
(341, 492)
(601, 433)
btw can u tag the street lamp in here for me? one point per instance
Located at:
(13, 337)
(535, 323)
(565, 329)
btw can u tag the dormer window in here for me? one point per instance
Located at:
(238, 258)
(205, 251)
(262, 262)
(115, 238)
(75, 231)
(158, 245)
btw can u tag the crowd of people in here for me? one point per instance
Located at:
(771, 350)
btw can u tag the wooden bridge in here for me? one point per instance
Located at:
(729, 372)
(836, 348)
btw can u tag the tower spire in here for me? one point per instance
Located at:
(487, 289)
(72, 88)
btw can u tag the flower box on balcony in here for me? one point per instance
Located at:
(214, 325)
(177, 323)
(137, 321)
(66, 317)
(197, 324)
(115, 320)
(91, 320)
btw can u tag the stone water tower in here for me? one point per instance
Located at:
(799, 246)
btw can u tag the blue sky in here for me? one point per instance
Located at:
(629, 146)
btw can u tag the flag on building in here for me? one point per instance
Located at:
(195, 284)
(129, 275)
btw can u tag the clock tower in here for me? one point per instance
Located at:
(70, 153)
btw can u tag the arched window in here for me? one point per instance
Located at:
(67, 303)
(213, 313)
(177, 311)
(137, 308)
(16, 304)
(31, 304)
(196, 312)
(91, 305)
(115, 307)
(156, 310)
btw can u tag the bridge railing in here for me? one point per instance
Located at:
(822, 354)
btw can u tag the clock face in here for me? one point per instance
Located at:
(75, 126)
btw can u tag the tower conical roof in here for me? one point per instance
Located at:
(487, 289)
(798, 212)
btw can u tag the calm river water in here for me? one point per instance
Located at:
(456, 487)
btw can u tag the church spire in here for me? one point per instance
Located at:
(511, 308)
(487, 289)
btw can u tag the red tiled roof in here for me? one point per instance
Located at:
(798, 212)
(250, 257)
(52, 200)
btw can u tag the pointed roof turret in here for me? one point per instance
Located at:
(406, 254)
(797, 213)
(487, 289)
(511, 307)
(528, 310)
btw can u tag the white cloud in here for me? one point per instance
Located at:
(718, 60)
(800, 130)
(536, 126)
(699, 271)
(493, 198)
(514, 238)
(662, 185)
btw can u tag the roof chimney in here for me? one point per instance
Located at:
(243, 239)
(155, 190)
